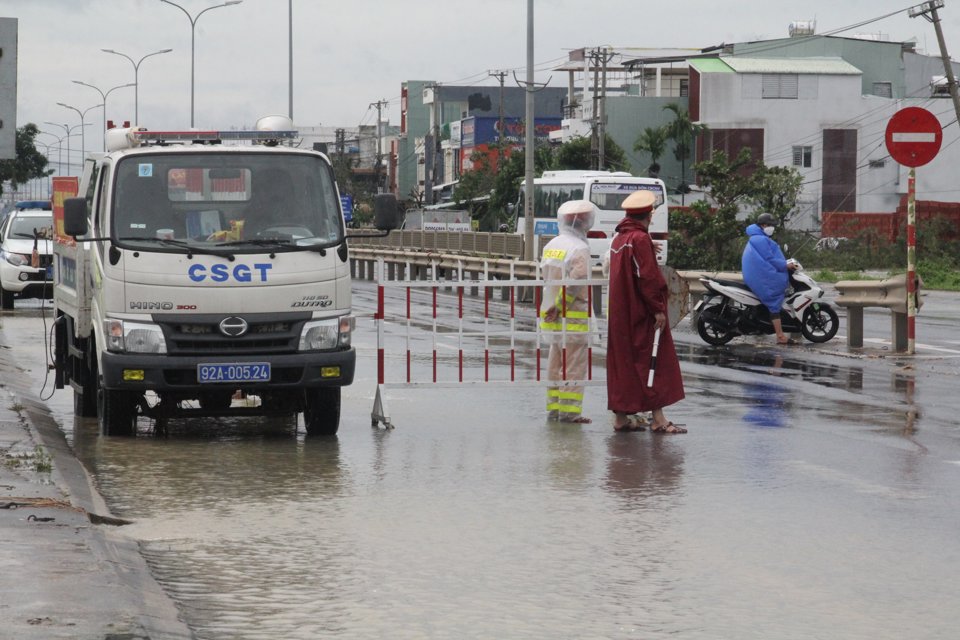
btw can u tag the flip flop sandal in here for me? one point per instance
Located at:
(668, 428)
(633, 424)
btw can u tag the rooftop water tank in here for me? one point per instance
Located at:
(801, 28)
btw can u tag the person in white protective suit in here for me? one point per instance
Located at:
(564, 310)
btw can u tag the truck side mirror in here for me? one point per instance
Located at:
(75, 216)
(386, 214)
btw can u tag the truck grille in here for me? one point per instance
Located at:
(268, 333)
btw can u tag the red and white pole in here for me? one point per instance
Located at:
(911, 260)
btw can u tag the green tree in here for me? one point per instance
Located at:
(652, 140)
(776, 190)
(507, 179)
(577, 154)
(28, 164)
(683, 132)
(475, 184)
(706, 237)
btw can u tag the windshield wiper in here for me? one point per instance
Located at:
(259, 242)
(169, 242)
(294, 244)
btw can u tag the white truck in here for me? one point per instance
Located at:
(197, 267)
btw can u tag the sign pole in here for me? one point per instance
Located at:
(911, 260)
(913, 138)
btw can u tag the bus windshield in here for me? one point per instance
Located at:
(547, 198)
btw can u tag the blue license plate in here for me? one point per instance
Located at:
(233, 372)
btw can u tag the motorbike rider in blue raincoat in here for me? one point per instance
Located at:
(765, 270)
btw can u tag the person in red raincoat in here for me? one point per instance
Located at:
(637, 307)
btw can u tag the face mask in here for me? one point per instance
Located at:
(768, 230)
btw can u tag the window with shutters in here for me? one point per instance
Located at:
(780, 86)
(802, 156)
(883, 89)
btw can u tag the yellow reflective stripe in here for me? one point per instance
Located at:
(564, 395)
(567, 408)
(556, 254)
(571, 327)
(570, 314)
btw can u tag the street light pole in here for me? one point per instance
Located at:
(136, 81)
(290, 41)
(193, 38)
(104, 96)
(83, 138)
(59, 149)
(69, 135)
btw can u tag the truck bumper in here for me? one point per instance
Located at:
(179, 373)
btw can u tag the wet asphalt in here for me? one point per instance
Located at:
(815, 496)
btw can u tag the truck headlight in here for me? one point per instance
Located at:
(332, 333)
(134, 337)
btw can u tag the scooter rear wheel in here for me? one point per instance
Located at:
(710, 331)
(820, 323)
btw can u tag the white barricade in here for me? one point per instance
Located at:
(473, 339)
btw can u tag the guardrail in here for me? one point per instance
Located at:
(503, 245)
(891, 293)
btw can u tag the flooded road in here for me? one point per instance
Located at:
(816, 495)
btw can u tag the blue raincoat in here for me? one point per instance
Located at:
(765, 268)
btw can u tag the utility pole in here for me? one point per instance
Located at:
(931, 8)
(500, 75)
(340, 143)
(529, 143)
(431, 147)
(594, 120)
(379, 104)
(599, 58)
(602, 120)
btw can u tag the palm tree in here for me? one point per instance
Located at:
(653, 140)
(683, 132)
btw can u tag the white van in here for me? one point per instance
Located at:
(607, 190)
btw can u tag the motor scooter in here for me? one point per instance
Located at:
(729, 309)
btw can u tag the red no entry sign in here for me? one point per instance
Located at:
(913, 136)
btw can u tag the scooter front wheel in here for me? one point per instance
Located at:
(820, 323)
(711, 331)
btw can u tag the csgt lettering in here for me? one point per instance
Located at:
(223, 272)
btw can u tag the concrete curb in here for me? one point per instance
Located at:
(61, 576)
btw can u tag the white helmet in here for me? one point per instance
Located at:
(577, 215)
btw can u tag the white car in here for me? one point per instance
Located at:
(23, 232)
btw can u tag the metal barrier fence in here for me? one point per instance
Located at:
(474, 340)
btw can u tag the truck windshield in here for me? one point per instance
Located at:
(209, 199)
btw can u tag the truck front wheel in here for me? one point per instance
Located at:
(85, 402)
(321, 412)
(116, 412)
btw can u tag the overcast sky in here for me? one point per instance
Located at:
(348, 54)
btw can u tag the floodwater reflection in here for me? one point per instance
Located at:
(641, 468)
